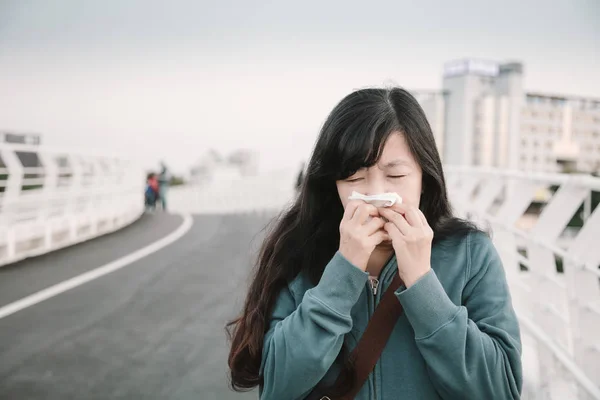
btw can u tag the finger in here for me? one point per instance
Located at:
(364, 211)
(401, 208)
(413, 217)
(409, 212)
(393, 231)
(426, 226)
(422, 216)
(379, 237)
(374, 225)
(351, 208)
(397, 219)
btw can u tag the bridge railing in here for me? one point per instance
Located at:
(553, 269)
(51, 198)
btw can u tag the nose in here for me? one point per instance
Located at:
(374, 186)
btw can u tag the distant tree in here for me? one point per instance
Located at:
(176, 181)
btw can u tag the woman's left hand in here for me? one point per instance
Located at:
(411, 237)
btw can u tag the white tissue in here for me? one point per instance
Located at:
(378, 200)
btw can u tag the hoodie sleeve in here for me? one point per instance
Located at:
(473, 350)
(303, 342)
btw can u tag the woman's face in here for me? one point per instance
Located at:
(396, 171)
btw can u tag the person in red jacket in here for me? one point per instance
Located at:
(151, 194)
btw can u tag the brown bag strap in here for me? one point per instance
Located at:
(371, 344)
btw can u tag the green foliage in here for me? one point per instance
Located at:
(176, 181)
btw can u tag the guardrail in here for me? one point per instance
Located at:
(553, 271)
(52, 198)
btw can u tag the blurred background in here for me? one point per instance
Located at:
(144, 145)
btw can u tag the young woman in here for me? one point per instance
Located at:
(325, 264)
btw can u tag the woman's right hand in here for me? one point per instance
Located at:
(360, 232)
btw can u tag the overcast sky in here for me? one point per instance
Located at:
(170, 79)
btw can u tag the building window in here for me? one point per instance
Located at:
(548, 145)
(524, 142)
(536, 144)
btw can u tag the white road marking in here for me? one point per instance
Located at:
(113, 266)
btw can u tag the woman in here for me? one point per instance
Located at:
(322, 269)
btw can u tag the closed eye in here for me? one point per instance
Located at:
(396, 176)
(353, 180)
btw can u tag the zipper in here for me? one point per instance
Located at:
(374, 287)
(374, 283)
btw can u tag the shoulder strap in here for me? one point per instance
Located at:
(372, 342)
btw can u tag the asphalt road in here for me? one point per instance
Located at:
(152, 330)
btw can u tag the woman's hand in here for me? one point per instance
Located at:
(411, 237)
(360, 232)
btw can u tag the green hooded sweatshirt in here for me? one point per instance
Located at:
(458, 337)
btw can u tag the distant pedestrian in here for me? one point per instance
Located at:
(164, 179)
(151, 192)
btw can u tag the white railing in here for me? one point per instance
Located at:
(558, 306)
(52, 198)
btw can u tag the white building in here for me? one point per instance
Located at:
(557, 129)
(483, 116)
(433, 103)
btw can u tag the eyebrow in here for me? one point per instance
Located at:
(397, 162)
